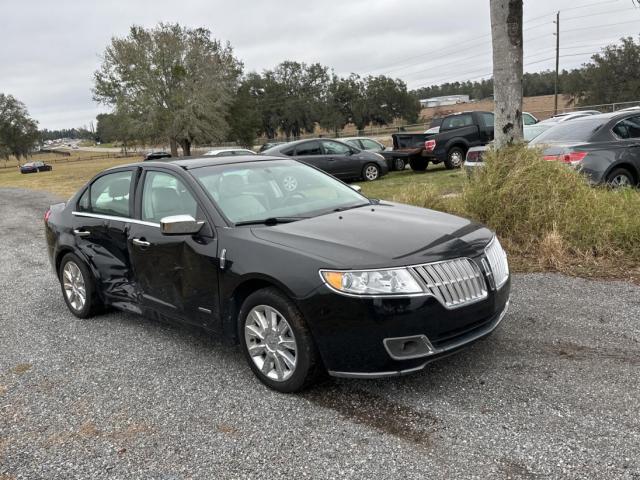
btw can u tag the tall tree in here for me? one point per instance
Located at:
(18, 131)
(172, 81)
(506, 34)
(244, 118)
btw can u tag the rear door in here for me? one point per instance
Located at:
(341, 162)
(176, 275)
(101, 222)
(311, 152)
(628, 133)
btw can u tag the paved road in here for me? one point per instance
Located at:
(554, 393)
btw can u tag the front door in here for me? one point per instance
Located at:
(176, 275)
(340, 159)
(311, 153)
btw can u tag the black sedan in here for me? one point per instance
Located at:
(318, 279)
(340, 159)
(606, 147)
(35, 167)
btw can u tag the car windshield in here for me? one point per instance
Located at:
(580, 130)
(260, 191)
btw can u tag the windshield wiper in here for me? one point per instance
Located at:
(270, 221)
(342, 209)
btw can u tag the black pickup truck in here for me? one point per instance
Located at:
(458, 133)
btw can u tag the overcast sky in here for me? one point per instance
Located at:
(49, 50)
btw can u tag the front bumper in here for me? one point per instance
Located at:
(350, 332)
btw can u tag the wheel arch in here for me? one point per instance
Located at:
(241, 291)
(627, 166)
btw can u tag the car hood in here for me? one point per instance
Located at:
(381, 235)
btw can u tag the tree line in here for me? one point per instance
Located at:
(610, 77)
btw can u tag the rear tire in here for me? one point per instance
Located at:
(283, 354)
(455, 158)
(418, 164)
(398, 164)
(621, 177)
(78, 287)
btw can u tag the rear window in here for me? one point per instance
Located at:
(457, 121)
(579, 130)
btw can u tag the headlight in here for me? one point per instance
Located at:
(372, 282)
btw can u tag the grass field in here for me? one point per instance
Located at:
(65, 178)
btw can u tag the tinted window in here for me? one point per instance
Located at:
(165, 195)
(83, 203)
(487, 119)
(528, 119)
(457, 121)
(110, 194)
(288, 151)
(354, 142)
(370, 144)
(580, 130)
(308, 148)
(628, 128)
(335, 148)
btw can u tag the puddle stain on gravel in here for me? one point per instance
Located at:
(375, 411)
(22, 368)
(575, 351)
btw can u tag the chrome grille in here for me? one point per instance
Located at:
(453, 282)
(497, 258)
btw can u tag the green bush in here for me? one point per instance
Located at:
(537, 206)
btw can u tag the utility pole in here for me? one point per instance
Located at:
(506, 36)
(555, 84)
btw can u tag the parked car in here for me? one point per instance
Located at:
(228, 152)
(528, 119)
(364, 143)
(318, 279)
(564, 117)
(268, 145)
(156, 155)
(35, 167)
(338, 158)
(605, 147)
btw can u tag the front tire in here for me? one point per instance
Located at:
(78, 287)
(455, 158)
(371, 172)
(277, 343)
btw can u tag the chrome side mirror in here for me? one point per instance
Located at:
(180, 225)
(357, 188)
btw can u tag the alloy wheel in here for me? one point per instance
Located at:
(371, 172)
(271, 343)
(456, 158)
(620, 181)
(74, 286)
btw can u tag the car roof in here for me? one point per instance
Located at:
(228, 149)
(189, 163)
(344, 139)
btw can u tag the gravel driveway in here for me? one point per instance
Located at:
(554, 393)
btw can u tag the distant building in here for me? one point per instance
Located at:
(445, 100)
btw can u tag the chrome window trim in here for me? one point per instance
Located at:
(115, 218)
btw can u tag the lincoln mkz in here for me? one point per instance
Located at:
(304, 272)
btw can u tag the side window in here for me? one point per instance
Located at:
(308, 148)
(83, 202)
(628, 128)
(528, 120)
(288, 152)
(164, 195)
(487, 119)
(110, 194)
(335, 148)
(456, 121)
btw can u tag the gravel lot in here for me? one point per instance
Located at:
(554, 393)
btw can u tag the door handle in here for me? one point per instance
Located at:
(140, 243)
(81, 233)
